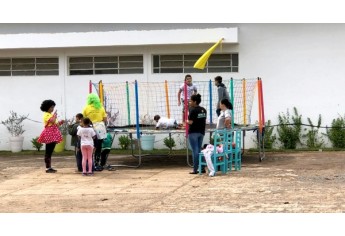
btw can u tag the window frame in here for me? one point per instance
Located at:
(101, 64)
(188, 61)
(28, 66)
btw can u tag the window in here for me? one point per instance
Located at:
(29, 66)
(106, 65)
(184, 63)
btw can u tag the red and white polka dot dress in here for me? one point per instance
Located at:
(51, 132)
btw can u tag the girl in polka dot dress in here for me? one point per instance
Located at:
(51, 134)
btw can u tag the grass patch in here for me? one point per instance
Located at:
(154, 151)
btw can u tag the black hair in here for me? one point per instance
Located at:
(46, 104)
(226, 103)
(156, 117)
(196, 98)
(87, 121)
(219, 79)
(79, 116)
(187, 76)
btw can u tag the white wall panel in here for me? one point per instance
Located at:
(301, 65)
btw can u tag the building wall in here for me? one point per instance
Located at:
(300, 65)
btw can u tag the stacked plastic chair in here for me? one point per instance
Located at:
(229, 149)
(218, 159)
(233, 149)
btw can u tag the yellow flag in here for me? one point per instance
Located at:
(201, 62)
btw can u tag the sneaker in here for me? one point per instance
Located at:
(98, 168)
(211, 174)
(84, 174)
(50, 170)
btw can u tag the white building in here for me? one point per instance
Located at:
(301, 65)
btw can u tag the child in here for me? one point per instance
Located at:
(72, 130)
(165, 122)
(207, 150)
(50, 134)
(86, 135)
(106, 146)
(191, 89)
(224, 119)
(222, 92)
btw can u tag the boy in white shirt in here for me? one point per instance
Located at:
(165, 122)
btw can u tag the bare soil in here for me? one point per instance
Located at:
(282, 182)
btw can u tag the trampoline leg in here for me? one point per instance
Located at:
(260, 137)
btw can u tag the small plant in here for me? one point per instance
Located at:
(289, 129)
(269, 137)
(14, 123)
(313, 139)
(336, 133)
(124, 142)
(64, 126)
(36, 144)
(169, 142)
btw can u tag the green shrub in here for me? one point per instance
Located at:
(36, 144)
(336, 133)
(289, 129)
(169, 142)
(269, 137)
(312, 135)
(124, 142)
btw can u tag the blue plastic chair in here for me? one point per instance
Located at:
(237, 157)
(234, 149)
(229, 150)
(218, 159)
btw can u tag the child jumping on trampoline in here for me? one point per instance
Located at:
(191, 89)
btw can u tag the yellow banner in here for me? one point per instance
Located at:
(201, 62)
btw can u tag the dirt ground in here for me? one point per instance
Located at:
(282, 182)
